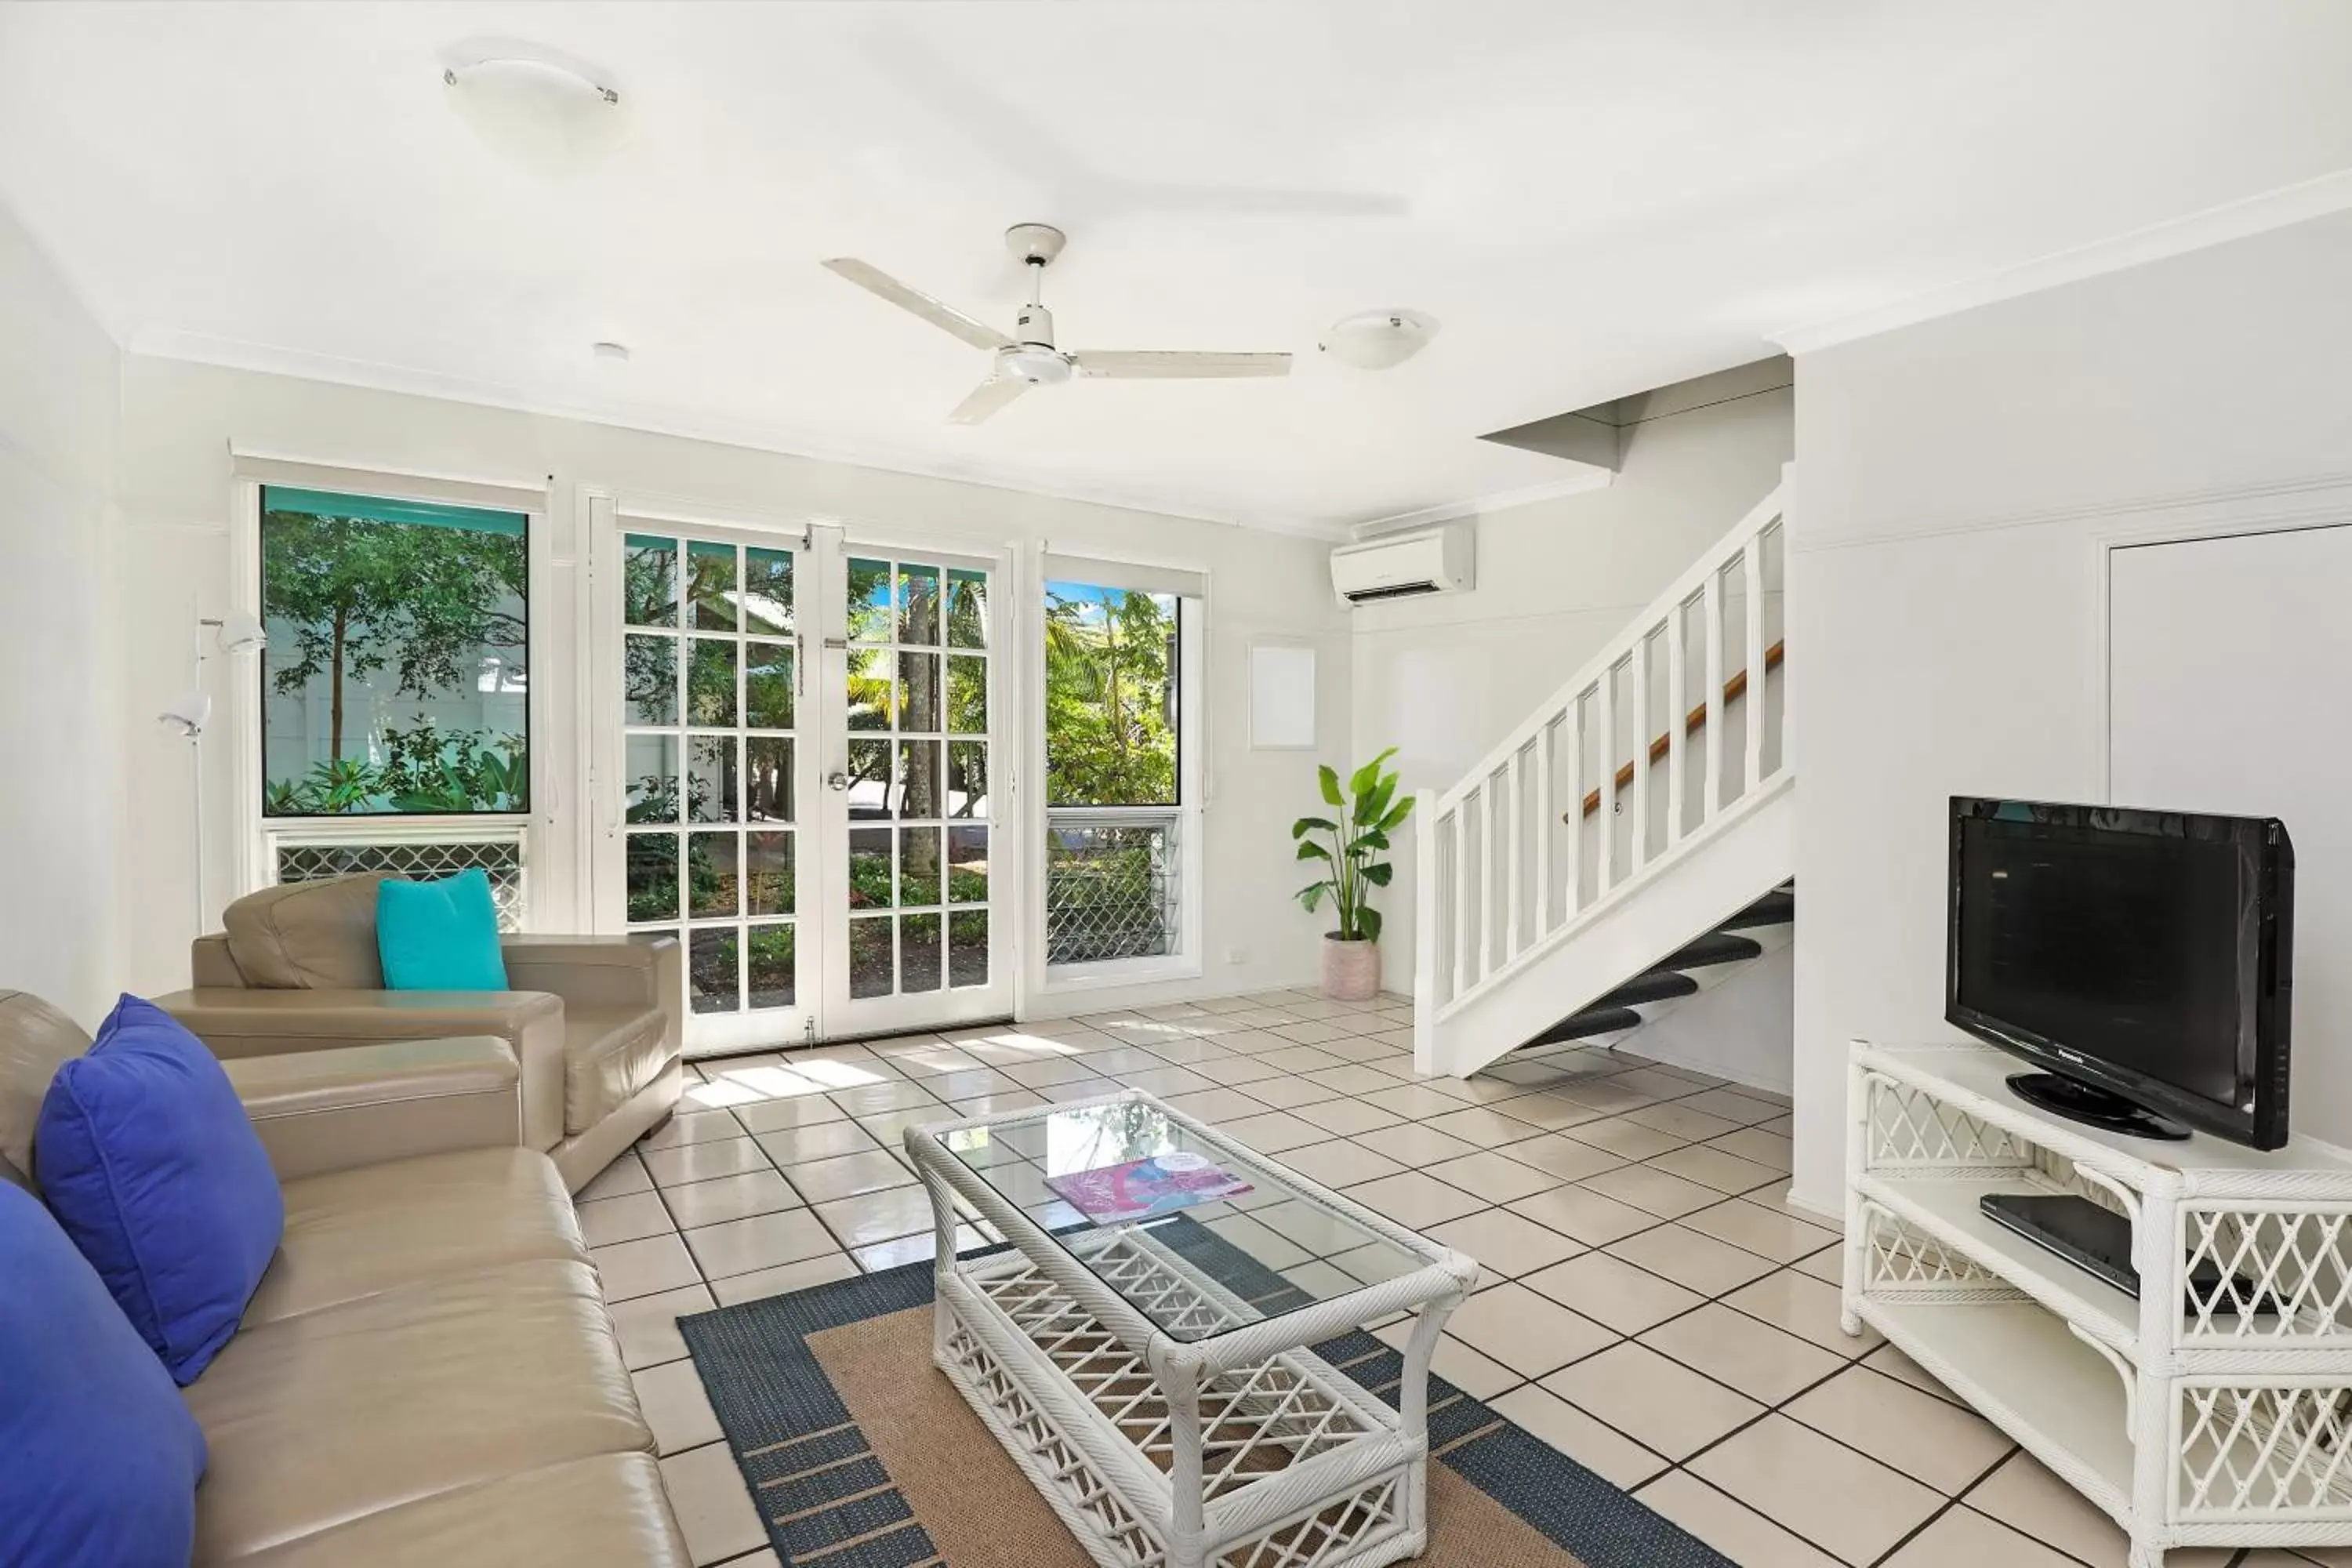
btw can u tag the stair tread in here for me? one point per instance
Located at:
(1657, 986)
(1773, 908)
(1592, 1021)
(1717, 947)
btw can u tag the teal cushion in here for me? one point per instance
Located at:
(439, 936)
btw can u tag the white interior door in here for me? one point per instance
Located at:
(797, 756)
(2226, 659)
(908, 681)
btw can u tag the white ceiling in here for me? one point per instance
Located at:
(1592, 198)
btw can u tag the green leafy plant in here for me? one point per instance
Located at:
(1369, 812)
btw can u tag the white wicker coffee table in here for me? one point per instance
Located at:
(1151, 1377)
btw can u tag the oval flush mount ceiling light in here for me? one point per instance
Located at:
(1379, 339)
(536, 106)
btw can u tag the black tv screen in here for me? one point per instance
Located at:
(2144, 952)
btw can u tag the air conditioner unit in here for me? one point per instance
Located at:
(1403, 566)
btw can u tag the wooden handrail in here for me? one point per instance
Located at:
(1733, 689)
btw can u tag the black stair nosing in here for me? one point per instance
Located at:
(1716, 947)
(1592, 1021)
(1773, 908)
(1656, 986)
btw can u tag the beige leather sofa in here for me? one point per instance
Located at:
(593, 1021)
(426, 1377)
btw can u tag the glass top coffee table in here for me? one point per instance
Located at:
(1139, 1348)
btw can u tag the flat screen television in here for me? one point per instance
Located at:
(2143, 958)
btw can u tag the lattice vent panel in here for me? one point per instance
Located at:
(2255, 1450)
(2272, 1275)
(1899, 1258)
(1911, 1127)
(420, 859)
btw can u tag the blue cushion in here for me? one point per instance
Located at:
(101, 1458)
(440, 936)
(149, 1161)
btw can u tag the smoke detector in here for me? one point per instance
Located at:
(1378, 340)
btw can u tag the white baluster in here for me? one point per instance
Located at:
(1485, 876)
(1572, 737)
(1605, 865)
(1752, 567)
(1641, 676)
(1428, 899)
(1547, 830)
(1677, 721)
(1461, 898)
(1514, 852)
(1712, 608)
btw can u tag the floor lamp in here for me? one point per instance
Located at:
(234, 634)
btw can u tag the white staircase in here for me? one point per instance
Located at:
(1646, 802)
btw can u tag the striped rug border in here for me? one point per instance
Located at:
(827, 1502)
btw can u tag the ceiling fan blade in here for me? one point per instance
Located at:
(979, 334)
(988, 397)
(1147, 364)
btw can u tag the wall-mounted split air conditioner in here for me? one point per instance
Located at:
(1403, 565)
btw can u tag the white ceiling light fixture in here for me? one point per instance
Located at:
(1379, 339)
(1026, 356)
(535, 106)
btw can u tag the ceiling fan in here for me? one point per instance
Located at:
(1026, 356)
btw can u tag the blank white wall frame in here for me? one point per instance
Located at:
(1282, 697)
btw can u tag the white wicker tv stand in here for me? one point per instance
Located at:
(2189, 1425)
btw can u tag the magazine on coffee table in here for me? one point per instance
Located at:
(1137, 1189)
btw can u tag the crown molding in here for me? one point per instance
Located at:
(1592, 479)
(2175, 236)
(231, 353)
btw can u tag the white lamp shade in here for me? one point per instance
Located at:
(242, 633)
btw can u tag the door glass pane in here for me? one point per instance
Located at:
(768, 778)
(768, 970)
(767, 686)
(918, 690)
(711, 874)
(710, 778)
(649, 581)
(768, 591)
(919, 605)
(650, 772)
(869, 689)
(967, 778)
(711, 585)
(710, 683)
(918, 953)
(649, 679)
(713, 978)
(869, 778)
(653, 876)
(968, 948)
(869, 601)
(968, 695)
(869, 868)
(968, 865)
(768, 887)
(919, 779)
(967, 609)
(870, 964)
(919, 866)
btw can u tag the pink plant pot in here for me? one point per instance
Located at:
(1352, 970)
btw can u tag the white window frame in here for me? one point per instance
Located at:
(1045, 980)
(255, 834)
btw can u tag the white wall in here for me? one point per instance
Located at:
(1738, 1029)
(180, 420)
(60, 786)
(1951, 480)
(1445, 678)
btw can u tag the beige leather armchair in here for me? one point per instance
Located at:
(593, 1022)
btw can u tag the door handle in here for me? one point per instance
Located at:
(836, 781)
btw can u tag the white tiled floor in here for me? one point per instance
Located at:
(1650, 1306)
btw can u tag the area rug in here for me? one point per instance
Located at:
(861, 1454)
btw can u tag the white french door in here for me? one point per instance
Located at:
(800, 736)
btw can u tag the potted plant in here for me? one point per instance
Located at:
(1353, 864)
